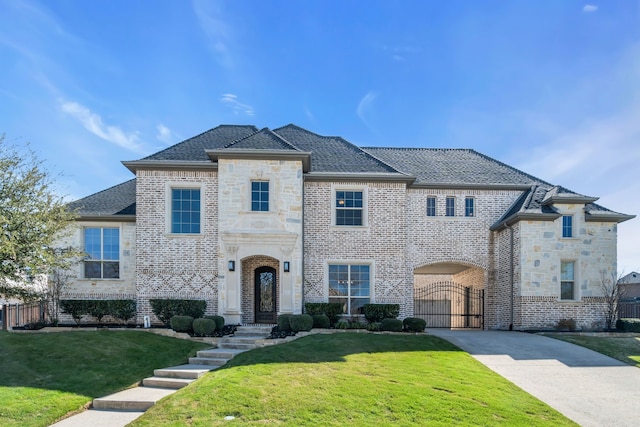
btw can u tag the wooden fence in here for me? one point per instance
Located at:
(629, 310)
(21, 314)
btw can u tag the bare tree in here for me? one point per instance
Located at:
(612, 294)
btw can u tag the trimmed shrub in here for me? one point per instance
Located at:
(204, 327)
(566, 324)
(321, 321)
(75, 307)
(182, 323)
(342, 324)
(393, 325)
(123, 309)
(98, 308)
(300, 322)
(414, 324)
(373, 327)
(284, 323)
(219, 321)
(165, 309)
(628, 325)
(332, 310)
(377, 312)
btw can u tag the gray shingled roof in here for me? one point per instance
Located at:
(333, 154)
(438, 166)
(117, 200)
(194, 148)
(264, 139)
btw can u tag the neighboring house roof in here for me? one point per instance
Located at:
(632, 278)
(332, 157)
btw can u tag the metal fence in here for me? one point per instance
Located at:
(449, 305)
(22, 314)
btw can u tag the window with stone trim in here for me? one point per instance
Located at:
(567, 225)
(260, 196)
(450, 206)
(349, 284)
(349, 208)
(567, 280)
(431, 206)
(102, 249)
(185, 210)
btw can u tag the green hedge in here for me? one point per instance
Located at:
(628, 325)
(204, 327)
(321, 321)
(122, 309)
(165, 309)
(414, 324)
(182, 323)
(284, 323)
(377, 312)
(393, 325)
(219, 321)
(332, 310)
(300, 322)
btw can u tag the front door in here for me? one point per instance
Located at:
(266, 311)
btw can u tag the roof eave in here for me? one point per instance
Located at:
(568, 200)
(524, 216)
(230, 153)
(109, 218)
(359, 177)
(607, 217)
(465, 186)
(137, 165)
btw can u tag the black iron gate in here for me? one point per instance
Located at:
(449, 305)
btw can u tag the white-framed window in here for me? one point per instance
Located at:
(350, 284)
(450, 207)
(102, 249)
(567, 280)
(260, 196)
(185, 210)
(431, 206)
(567, 225)
(469, 206)
(350, 207)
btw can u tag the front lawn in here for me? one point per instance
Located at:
(45, 376)
(353, 379)
(624, 348)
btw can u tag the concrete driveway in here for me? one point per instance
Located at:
(587, 387)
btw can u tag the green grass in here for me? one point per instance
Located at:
(356, 380)
(45, 376)
(624, 348)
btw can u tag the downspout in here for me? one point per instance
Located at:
(511, 272)
(303, 251)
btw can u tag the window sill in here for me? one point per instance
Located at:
(569, 301)
(349, 227)
(184, 235)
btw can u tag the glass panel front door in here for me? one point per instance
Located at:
(265, 292)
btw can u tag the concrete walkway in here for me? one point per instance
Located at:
(585, 386)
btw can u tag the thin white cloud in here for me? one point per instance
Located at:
(236, 106)
(365, 106)
(588, 8)
(93, 123)
(164, 134)
(218, 32)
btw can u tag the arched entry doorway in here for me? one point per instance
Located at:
(449, 295)
(265, 295)
(260, 289)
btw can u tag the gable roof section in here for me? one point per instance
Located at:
(264, 139)
(436, 167)
(116, 203)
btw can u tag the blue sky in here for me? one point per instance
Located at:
(551, 87)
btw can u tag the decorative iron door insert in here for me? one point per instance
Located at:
(265, 296)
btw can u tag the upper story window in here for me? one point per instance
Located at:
(349, 285)
(431, 206)
(260, 196)
(567, 280)
(469, 206)
(185, 210)
(567, 226)
(451, 206)
(349, 208)
(102, 246)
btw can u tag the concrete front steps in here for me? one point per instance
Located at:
(166, 381)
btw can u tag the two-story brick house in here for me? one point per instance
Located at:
(258, 222)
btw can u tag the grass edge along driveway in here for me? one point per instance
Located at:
(45, 376)
(353, 379)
